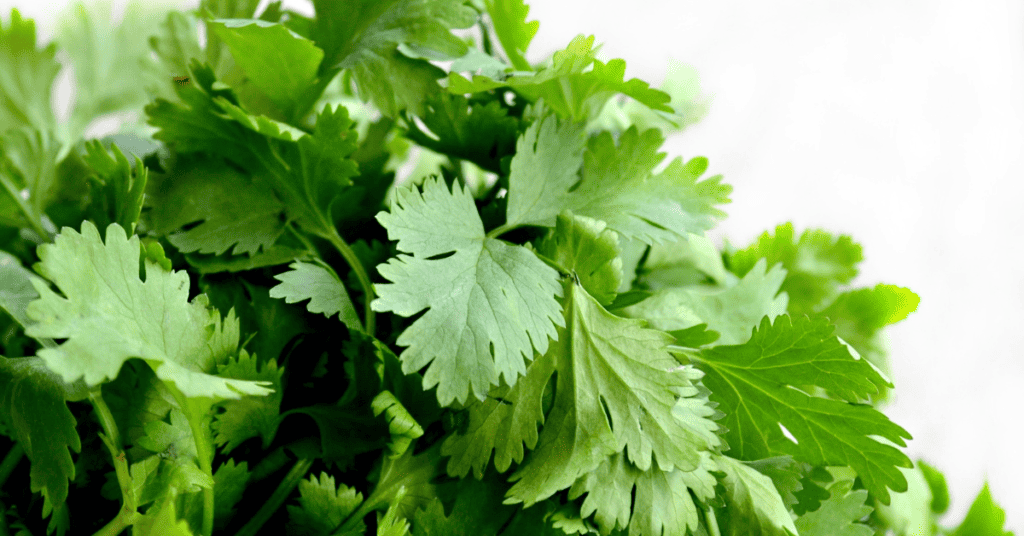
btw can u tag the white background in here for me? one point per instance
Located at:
(899, 122)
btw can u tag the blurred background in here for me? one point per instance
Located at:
(900, 123)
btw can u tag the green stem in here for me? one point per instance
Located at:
(11, 460)
(498, 231)
(302, 238)
(4, 531)
(128, 514)
(361, 275)
(288, 483)
(33, 221)
(712, 522)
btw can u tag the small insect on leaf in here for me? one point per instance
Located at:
(181, 80)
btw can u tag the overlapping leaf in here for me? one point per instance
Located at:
(320, 285)
(762, 387)
(481, 133)
(490, 303)
(617, 185)
(753, 505)
(323, 507)
(107, 315)
(839, 514)
(564, 85)
(365, 37)
(651, 502)
(26, 74)
(249, 416)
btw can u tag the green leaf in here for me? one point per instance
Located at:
(514, 33)
(937, 484)
(762, 388)
(477, 511)
(401, 425)
(32, 406)
(176, 446)
(583, 246)
(320, 285)
(815, 265)
(647, 502)
(16, 290)
(308, 175)
(229, 209)
(566, 88)
(909, 513)
(490, 303)
(839, 514)
(548, 156)
(282, 64)
(364, 37)
(230, 481)
(985, 518)
(616, 388)
(113, 68)
(753, 505)
(688, 262)
(107, 315)
(117, 189)
(733, 311)
(26, 75)
(617, 184)
(249, 416)
(480, 133)
(323, 507)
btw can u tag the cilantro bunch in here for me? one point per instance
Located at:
(249, 326)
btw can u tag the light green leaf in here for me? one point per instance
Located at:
(616, 388)
(762, 385)
(16, 290)
(490, 303)
(320, 285)
(282, 64)
(910, 513)
(26, 75)
(514, 33)
(647, 502)
(839, 514)
(815, 265)
(985, 518)
(548, 156)
(733, 311)
(107, 315)
(583, 246)
(688, 262)
(117, 189)
(753, 505)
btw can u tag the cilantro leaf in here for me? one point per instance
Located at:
(985, 517)
(692, 261)
(490, 303)
(753, 383)
(480, 133)
(617, 184)
(731, 311)
(514, 33)
(860, 314)
(566, 88)
(402, 426)
(26, 75)
(320, 285)
(593, 251)
(176, 446)
(282, 64)
(308, 175)
(117, 189)
(365, 37)
(754, 506)
(839, 514)
(616, 387)
(249, 416)
(16, 288)
(323, 507)
(647, 502)
(32, 408)
(477, 511)
(815, 265)
(229, 208)
(108, 315)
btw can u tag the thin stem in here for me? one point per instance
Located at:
(498, 231)
(128, 514)
(4, 531)
(288, 483)
(711, 521)
(302, 238)
(11, 460)
(361, 275)
(33, 221)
